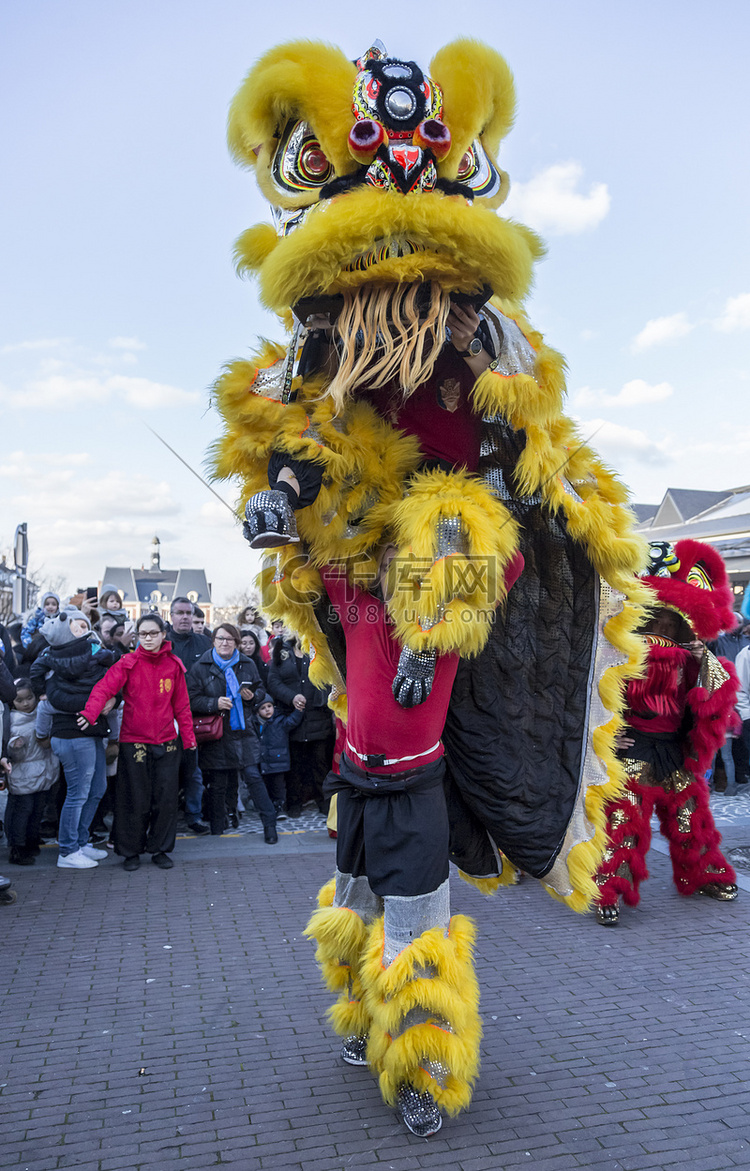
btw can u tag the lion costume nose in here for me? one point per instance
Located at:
(403, 168)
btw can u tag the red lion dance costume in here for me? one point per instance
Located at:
(677, 718)
(481, 719)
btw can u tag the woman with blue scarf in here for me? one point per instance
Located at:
(226, 681)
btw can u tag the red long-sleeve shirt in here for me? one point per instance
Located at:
(155, 695)
(376, 723)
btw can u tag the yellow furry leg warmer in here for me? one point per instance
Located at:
(341, 935)
(424, 1010)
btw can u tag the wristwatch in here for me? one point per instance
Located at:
(474, 347)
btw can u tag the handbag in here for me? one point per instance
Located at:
(208, 727)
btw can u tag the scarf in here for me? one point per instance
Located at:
(236, 715)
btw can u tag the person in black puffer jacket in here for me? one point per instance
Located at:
(66, 671)
(310, 744)
(224, 680)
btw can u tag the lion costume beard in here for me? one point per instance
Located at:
(389, 332)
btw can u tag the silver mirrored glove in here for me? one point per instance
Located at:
(414, 677)
(269, 520)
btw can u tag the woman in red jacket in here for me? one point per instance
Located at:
(155, 699)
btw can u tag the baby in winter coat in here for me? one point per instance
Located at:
(49, 607)
(35, 770)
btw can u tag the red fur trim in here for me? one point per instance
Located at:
(709, 611)
(696, 857)
(712, 714)
(658, 690)
(638, 826)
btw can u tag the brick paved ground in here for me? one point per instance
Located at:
(175, 1021)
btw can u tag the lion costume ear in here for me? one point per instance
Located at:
(301, 81)
(479, 105)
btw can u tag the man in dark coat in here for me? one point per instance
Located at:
(188, 646)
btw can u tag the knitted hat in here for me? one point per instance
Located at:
(690, 577)
(57, 630)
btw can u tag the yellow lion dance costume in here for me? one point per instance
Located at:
(382, 421)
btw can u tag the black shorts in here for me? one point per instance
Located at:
(392, 829)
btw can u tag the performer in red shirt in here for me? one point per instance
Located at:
(409, 998)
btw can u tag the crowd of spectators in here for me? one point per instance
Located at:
(118, 734)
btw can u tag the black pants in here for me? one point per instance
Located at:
(23, 819)
(276, 785)
(310, 764)
(222, 786)
(146, 798)
(393, 830)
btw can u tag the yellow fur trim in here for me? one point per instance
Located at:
(463, 246)
(508, 876)
(479, 97)
(308, 80)
(450, 998)
(332, 815)
(341, 937)
(458, 592)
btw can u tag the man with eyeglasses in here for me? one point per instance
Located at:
(188, 646)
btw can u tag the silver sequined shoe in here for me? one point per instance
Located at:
(414, 677)
(354, 1050)
(269, 520)
(419, 1112)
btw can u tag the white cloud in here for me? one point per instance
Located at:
(551, 202)
(623, 443)
(42, 343)
(736, 314)
(661, 329)
(63, 392)
(126, 343)
(635, 393)
(78, 519)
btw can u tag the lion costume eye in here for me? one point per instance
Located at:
(300, 166)
(477, 171)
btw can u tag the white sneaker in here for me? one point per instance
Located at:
(77, 861)
(92, 852)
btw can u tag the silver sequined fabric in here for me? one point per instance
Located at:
(419, 1111)
(515, 354)
(450, 537)
(356, 895)
(407, 918)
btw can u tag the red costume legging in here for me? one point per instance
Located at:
(681, 804)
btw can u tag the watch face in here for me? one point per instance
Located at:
(475, 346)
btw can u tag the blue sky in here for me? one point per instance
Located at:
(120, 303)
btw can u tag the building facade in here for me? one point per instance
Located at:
(147, 590)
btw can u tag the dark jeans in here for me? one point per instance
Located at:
(259, 796)
(310, 765)
(221, 785)
(23, 818)
(741, 753)
(146, 795)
